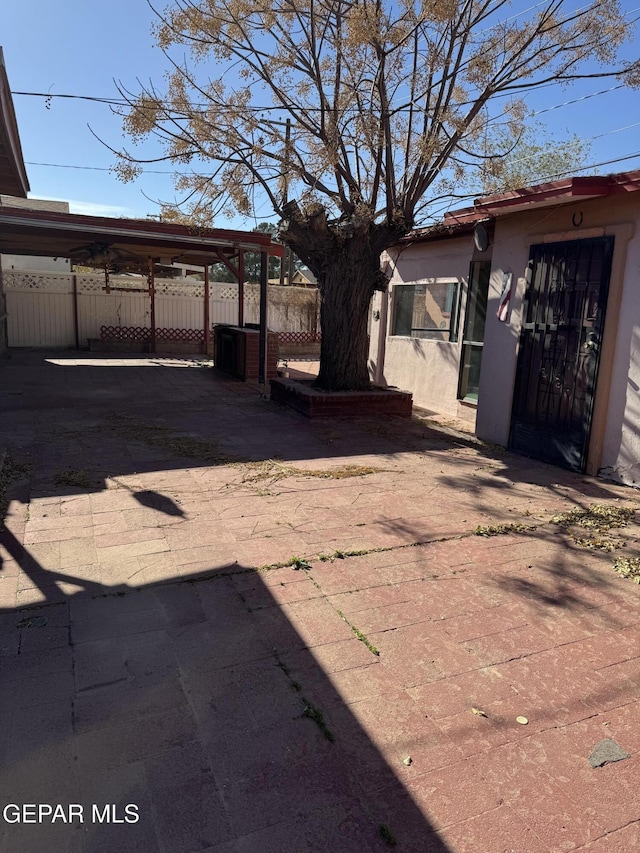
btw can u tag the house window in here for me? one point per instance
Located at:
(473, 335)
(427, 309)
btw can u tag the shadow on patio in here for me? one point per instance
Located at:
(197, 702)
(150, 663)
(195, 699)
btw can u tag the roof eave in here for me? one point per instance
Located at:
(554, 192)
(13, 178)
(162, 234)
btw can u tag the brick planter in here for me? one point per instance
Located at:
(237, 352)
(342, 404)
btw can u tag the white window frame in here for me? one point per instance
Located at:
(447, 333)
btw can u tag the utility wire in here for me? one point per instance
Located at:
(172, 172)
(121, 102)
(578, 100)
(95, 168)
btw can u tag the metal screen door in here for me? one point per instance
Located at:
(563, 319)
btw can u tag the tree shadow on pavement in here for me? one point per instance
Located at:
(179, 699)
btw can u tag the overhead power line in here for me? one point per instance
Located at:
(95, 168)
(122, 102)
(578, 100)
(173, 171)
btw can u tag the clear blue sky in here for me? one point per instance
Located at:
(82, 46)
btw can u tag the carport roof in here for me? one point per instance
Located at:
(82, 238)
(86, 238)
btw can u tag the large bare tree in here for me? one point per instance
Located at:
(349, 116)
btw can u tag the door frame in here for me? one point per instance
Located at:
(622, 232)
(541, 334)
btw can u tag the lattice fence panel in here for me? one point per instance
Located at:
(124, 333)
(171, 287)
(299, 337)
(129, 282)
(142, 333)
(252, 293)
(230, 292)
(180, 335)
(97, 283)
(33, 281)
(89, 284)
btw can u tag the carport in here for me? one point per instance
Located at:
(138, 246)
(143, 247)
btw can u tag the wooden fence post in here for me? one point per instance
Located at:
(152, 296)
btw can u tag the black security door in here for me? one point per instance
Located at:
(563, 319)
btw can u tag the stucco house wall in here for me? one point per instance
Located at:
(621, 442)
(614, 448)
(428, 368)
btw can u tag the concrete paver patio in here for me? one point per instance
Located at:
(263, 633)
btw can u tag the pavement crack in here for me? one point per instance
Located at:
(362, 637)
(102, 684)
(309, 709)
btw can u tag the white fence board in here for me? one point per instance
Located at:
(179, 312)
(39, 319)
(112, 309)
(40, 306)
(224, 311)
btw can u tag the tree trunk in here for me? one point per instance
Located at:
(346, 289)
(345, 257)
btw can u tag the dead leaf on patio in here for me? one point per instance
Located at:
(502, 529)
(273, 470)
(628, 567)
(600, 543)
(599, 517)
(478, 712)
